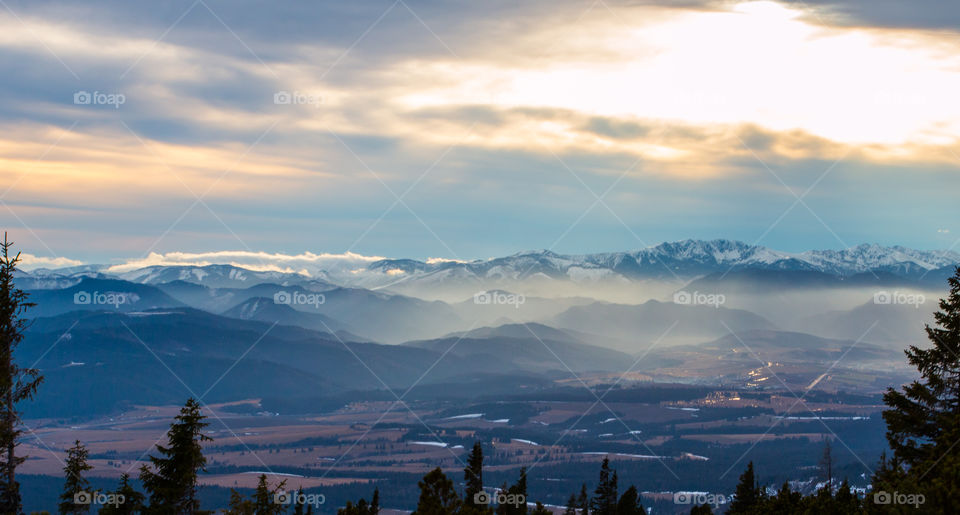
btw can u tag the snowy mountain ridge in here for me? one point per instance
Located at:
(680, 260)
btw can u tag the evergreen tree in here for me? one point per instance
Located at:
(16, 383)
(571, 505)
(540, 509)
(265, 498)
(630, 504)
(931, 404)
(238, 505)
(132, 499)
(845, 500)
(437, 495)
(583, 501)
(297, 507)
(362, 508)
(503, 509)
(172, 485)
(701, 509)
(76, 487)
(747, 496)
(826, 464)
(786, 500)
(604, 501)
(473, 478)
(923, 420)
(519, 493)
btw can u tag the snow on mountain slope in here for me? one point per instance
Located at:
(683, 259)
(680, 260)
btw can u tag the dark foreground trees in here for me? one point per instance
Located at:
(437, 495)
(923, 422)
(923, 431)
(752, 499)
(172, 482)
(75, 485)
(17, 384)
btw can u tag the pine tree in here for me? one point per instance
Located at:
(132, 499)
(375, 502)
(437, 495)
(826, 465)
(604, 501)
(172, 486)
(583, 501)
(845, 500)
(264, 497)
(362, 508)
(238, 505)
(923, 422)
(747, 495)
(540, 509)
(503, 509)
(571, 505)
(16, 383)
(927, 406)
(473, 478)
(630, 504)
(518, 491)
(297, 506)
(76, 487)
(786, 500)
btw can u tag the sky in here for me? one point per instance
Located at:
(464, 130)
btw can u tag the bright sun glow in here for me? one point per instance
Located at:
(761, 63)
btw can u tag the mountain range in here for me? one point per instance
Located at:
(681, 260)
(312, 338)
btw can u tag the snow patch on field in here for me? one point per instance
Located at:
(468, 415)
(272, 473)
(624, 455)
